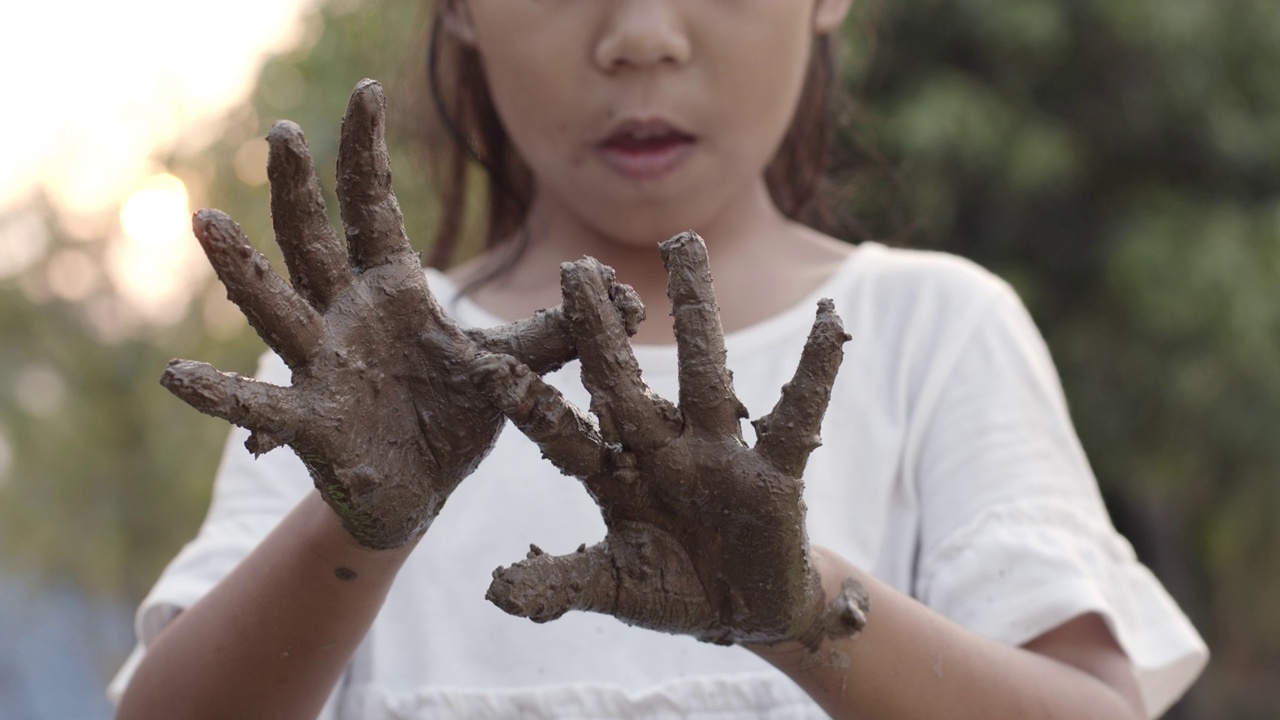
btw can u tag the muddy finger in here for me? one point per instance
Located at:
(789, 433)
(370, 212)
(312, 249)
(707, 399)
(543, 587)
(629, 412)
(265, 409)
(544, 341)
(564, 434)
(282, 317)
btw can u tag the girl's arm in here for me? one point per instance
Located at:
(271, 639)
(381, 410)
(706, 536)
(912, 662)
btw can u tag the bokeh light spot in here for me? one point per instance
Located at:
(72, 275)
(40, 390)
(157, 216)
(157, 261)
(23, 240)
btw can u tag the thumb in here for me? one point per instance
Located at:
(543, 587)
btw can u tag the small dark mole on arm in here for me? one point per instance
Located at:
(345, 574)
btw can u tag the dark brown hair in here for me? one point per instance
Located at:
(466, 133)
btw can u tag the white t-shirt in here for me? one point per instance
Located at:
(949, 469)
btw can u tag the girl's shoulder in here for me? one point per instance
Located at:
(915, 311)
(910, 288)
(915, 274)
(913, 305)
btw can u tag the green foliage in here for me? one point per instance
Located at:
(107, 484)
(108, 477)
(1119, 162)
(310, 86)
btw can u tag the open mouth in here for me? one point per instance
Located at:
(646, 149)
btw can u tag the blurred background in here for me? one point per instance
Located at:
(1118, 161)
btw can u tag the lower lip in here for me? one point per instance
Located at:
(649, 163)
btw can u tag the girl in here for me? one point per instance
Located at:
(952, 487)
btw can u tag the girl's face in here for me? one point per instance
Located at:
(641, 118)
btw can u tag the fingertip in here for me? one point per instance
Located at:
(215, 226)
(828, 324)
(367, 85)
(286, 144)
(195, 383)
(367, 99)
(679, 240)
(627, 300)
(204, 218)
(573, 270)
(284, 130)
(683, 243)
(172, 371)
(587, 274)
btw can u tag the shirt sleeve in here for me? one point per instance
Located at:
(1014, 536)
(250, 497)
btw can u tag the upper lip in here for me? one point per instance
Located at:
(643, 128)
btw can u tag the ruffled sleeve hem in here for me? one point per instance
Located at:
(173, 594)
(770, 696)
(190, 576)
(1019, 570)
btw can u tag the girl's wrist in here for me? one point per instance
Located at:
(832, 573)
(333, 543)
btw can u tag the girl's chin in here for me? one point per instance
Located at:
(643, 237)
(641, 214)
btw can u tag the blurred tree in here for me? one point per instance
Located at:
(1118, 161)
(97, 483)
(103, 475)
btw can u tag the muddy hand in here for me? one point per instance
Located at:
(381, 408)
(705, 536)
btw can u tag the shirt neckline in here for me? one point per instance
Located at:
(661, 359)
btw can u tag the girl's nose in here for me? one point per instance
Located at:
(642, 33)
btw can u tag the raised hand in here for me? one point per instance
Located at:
(705, 536)
(381, 409)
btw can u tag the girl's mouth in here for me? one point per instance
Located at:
(645, 149)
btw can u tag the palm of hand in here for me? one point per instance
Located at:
(705, 536)
(381, 410)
